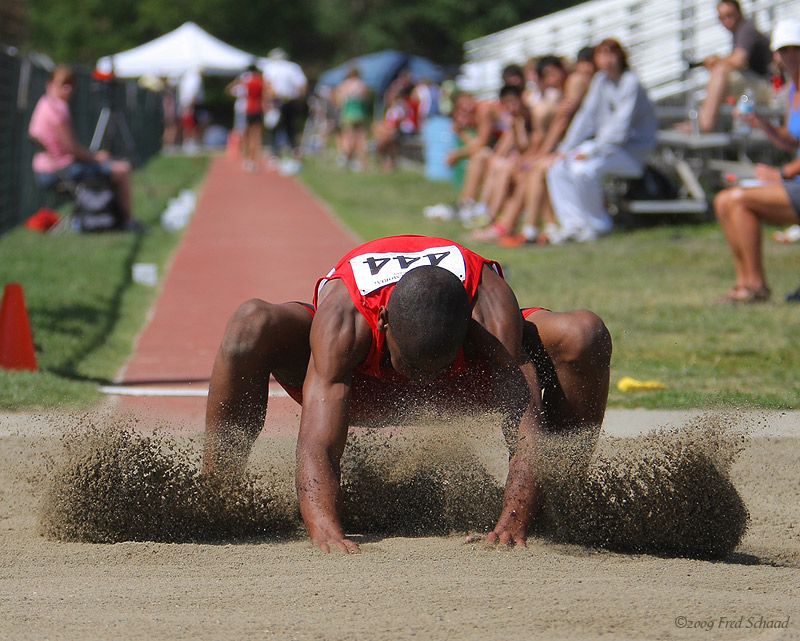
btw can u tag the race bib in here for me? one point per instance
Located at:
(373, 271)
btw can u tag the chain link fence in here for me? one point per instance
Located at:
(116, 115)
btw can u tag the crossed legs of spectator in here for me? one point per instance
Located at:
(740, 213)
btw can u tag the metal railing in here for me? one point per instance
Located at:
(133, 130)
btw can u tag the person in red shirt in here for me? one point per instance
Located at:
(256, 96)
(401, 323)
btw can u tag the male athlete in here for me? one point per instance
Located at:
(399, 323)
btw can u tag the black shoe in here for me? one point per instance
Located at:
(793, 297)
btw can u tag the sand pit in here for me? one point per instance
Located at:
(621, 551)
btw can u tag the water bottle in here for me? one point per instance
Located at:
(744, 107)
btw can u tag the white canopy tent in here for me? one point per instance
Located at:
(186, 48)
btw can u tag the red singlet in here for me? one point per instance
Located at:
(370, 272)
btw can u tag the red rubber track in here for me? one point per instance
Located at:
(252, 235)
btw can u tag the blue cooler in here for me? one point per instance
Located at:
(438, 139)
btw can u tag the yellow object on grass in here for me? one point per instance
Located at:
(626, 384)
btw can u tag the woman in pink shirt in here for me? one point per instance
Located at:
(62, 155)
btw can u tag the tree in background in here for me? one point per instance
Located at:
(13, 23)
(317, 33)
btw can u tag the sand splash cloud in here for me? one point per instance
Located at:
(664, 493)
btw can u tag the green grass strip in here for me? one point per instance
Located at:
(652, 286)
(84, 309)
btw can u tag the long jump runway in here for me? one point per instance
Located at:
(252, 235)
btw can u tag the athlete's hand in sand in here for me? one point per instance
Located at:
(326, 536)
(510, 530)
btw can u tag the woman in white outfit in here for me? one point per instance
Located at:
(613, 132)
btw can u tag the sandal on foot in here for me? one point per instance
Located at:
(745, 295)
(489, 234)
(511, 240)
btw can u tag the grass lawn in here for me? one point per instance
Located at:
(652, 286)
(83, 307)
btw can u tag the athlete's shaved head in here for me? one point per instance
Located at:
(428, 316)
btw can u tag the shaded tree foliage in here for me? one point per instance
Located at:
(316, 33)
(13, 22)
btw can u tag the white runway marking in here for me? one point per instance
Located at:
(134, 390)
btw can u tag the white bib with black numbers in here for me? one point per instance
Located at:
(375, 270)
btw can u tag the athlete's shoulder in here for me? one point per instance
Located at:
(338, 320)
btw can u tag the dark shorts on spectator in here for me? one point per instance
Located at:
(793, 191)
(78, 171)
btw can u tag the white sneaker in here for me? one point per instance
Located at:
(477, 215)
(788, 235)
(480, 209)
(438, 212)
(530, 233)
(559, 236)
(551, 228)
(585, 235)
(465, 211)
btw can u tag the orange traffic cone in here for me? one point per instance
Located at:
(16, 342)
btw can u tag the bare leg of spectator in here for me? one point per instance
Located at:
(715, 94)
(740, 213)
(507, 220)
(500, 191)
(474, 175)
(536, 207)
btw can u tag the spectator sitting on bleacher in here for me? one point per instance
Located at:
(514, 75)
(62, 157)
(530, 198)
(504, 206)
(746, 67)
(573, 89)
(613, 132)
(400, 121)
(466, 144)
(776, 200)
(492, 120)
(553, 75)
(509, 154)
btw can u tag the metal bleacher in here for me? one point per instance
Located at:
(660, 36)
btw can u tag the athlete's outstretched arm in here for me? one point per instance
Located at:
(339, 340)
(497, 332)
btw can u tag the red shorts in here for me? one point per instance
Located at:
(463, 392)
